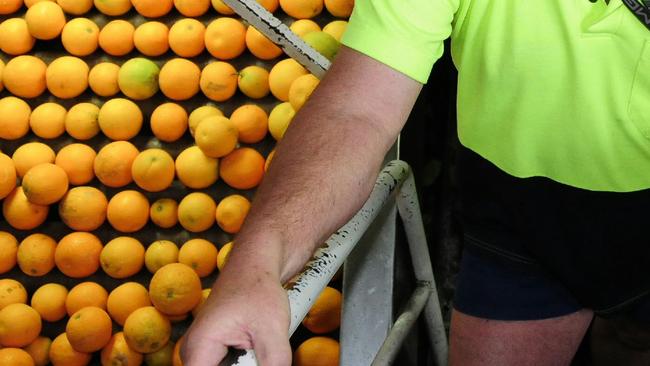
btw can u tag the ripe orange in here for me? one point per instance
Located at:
(113, 163)
(195, 169)
(219, 81)
(270, 5)
(122, 257)
(85, 294)
(242, 168)
(89, 329)
(77, 161)
(325, 315)
(77, 254)
(75, 7)
(147, 330)
(80, 36)
(8, 250)
(7, 176)
(159, 254)
(251, 122)
(116, 37)
(164, 213)
(151, 38)
(199, 254)
(302, 9)
(317, 351)
(83, 208)
(67, 77)
(102, 79)
(224, 253)
(231, 213)
(200, 113)
(20, 324)
(113, 7)
(45, 184)
(303, 26)
(175, 289)
(269, 157)
(336, 29)
(128, 211)
(81, 121)
(10, 6)
(118, 352)
(125, 299)
(15, 121)
(253, 81)
(48, 120)
(192, 8)
(49, 301)
(186, 37)
(11, 292)
(196, 212)
(39, 350)
(162, 357)
(36, 255)
(152, 8)
(153, 170)
(301, 90)
(24, 76)
(22, 214)
(120, 119)
(138, 78)
(279, 119)
(222, 8)
(31, 154)
(45, 20)
(62, 353)
(225, 38)
(15, 357)
(169, 121)
(176, 356)
(179, 79)
(216, 136)
(204, 296)
(15, 38)
(282, 75)
(339, 8)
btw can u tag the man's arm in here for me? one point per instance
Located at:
(322, 173)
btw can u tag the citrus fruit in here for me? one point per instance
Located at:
(14, 118)
(11, 292)
(179, 79)
(325, 314)
(279, 119)
(10, 6)
(15, 38)
(62, 353)
(169, 122)
(336, 29)
(186, 37)
(282, 75)
(260, 46)
(29, 3)
(39, 350)
(35, 255)
(20, 324)
(8, 250)
(195, 169)
(162, 357)
(125, 299)
(85, 294)
(302, 9)
(301, 90)
(175, 289)
(147, 330)
(199, 254)
(317, 351)
(45, 20)
(270, 5)
(196, 212)
(15, 357)
(269, 157)
(153, 170)
(231, 213)
(138, 78)
(159, 254)
(24, 76)
(216, 136)
(151, 38)
(45, 184)
(49, 301)
(225, 38)
(304, 26)
(128, 211)
(102, 79)
(116, 37)
(242, 169)
(204, 296)
(113, 7)
(192, 8)
(89, 329)
(77, 161)
(340, 8)
(81, 121)
(67, 77)
(80, 36)
(251, 122)
(221, 7)
(176, 355)
(122, 257)
(120, 119)
(31, 154)
(48, 120)
(152, 8)
(200, 113)
(83, 208)
(219, 81)
(22, 214)
(253, 81)
(324, 43)
(164, 213)
(113, 163)
(118, 352)
(224, 253)
(75, 7)
(77, 254)
(7, 175)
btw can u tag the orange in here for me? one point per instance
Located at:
(89, 329)
(83, 208)
(113, 7)
(122, 257)
(164, 213)
(192, 8)
(222, 8)
(175, 289)
(200, 113)
(216, 136)
(153, 170)
(77, 254)
(116, 37)
(176, 356)
(62, 353)
(340, 8)
(67, 77)
(15, 357)
(15, 38)
(270, 5)
(195, 169)
(204, 296)
(128, 211)
(304, 26)
(162, 357)
(152, 8)
(75, 7)
(317, 351)
(147, 330)
(45, 20)
(49, 301)
(15, 113)
(113, 163)
(225, 38)
(231, 213)
(260, 46)
(282, 75)
(169, 121)
(199, 254)
(159, 254)
(138, 78)
(7, 176)
(22, 214)
(31, 154)
(196, 212)
(29, 3)
(118, 352)
(85, 294)
(251, 122)
(48, 120)
(8, 250)
(11, 292)
(120, 119)
(325, 315)
(36, 255)
(336, 29)
(268, 160)
(242, 168)
(24, 76)
(80, 36)
(81, 121)
(302, 9)
(301, 90)
(151, 38)
(20, 324)
(253, 81)
(102, 79)
(219, 81)
(39, 350)
(77, 161)
(125, 299)
(279, 119)
(186, 37)
(323, 43)
(45, 184)
(224, 253)
(179, 79)
(11, 6)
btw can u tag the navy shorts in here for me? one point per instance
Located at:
(535, 248)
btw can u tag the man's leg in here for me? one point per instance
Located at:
(484, 342)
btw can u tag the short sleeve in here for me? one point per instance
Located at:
(406, 35)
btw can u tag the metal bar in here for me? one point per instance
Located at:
(280, 34)
(402, 326)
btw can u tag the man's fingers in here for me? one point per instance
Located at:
(271, 349)
(201, 352)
